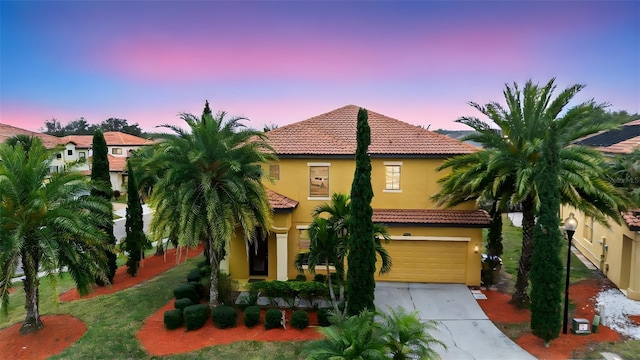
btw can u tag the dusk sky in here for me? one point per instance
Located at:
(278, 62)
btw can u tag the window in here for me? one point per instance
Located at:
(274, 172)
(53, 169)
(588, 228)
(318, 180)
(82, 155)
(59, 156)
(116, 151)
(69, 152)
(304, 240)
(392, 176)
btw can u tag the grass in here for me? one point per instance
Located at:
(113, 320)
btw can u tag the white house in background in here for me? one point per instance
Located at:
(78, 149)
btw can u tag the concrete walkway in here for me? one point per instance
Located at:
(462, 325)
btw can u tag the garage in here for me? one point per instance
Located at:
(432, 261)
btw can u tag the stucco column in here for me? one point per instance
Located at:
(281, 246)
(633, 292)
(224, 264)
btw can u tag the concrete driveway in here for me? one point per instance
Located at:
(462, 325)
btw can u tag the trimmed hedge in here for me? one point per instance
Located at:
(251, 316)
(199, 288)
(291, 289)
(323, 317)
(300, 319)
(187, 291)
(173, 319)
(224, 316)
(194, 275)
(180, 304)
(195, 316)
(272, 319)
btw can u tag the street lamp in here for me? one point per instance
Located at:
(570, 225)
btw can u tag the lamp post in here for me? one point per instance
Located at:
(570, 225)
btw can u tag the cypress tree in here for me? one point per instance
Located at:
(546, 268)
(102, 187)
(136, 240)
(362, 255)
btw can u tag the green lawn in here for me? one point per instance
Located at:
(113, 320)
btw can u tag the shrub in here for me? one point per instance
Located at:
(173, 319)
(180, 304)
(186, 291)
(205, 271)
(322, 278)
(300, 319)
(223, 316)
(195, 316)
(323, 317)
(301, 277)
(251, 316)
(202, 263)
(194, 275)
(225, 288)
(273, 319)
(199, 288)
(311, 289)
(248, 299)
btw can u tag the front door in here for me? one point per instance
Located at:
(259, 255)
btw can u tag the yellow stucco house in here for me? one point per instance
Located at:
(615, 250)
(316, 159)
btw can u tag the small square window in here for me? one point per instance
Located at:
(274, 172)
(116, 151)
(59, 156)
(69, 152)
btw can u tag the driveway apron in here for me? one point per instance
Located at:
(462, 325)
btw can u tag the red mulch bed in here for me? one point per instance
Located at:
(59, 332)
(151, 266)
(159, 341)
(582, 294)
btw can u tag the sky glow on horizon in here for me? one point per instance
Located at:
(281, 62)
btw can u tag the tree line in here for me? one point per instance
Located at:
(82, 127)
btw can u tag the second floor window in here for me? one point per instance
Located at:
(116, 151)
(69, 152)
(274, 172)
(392, 177)
(319, 181)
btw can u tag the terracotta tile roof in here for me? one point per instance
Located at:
(632, 218)
(432, 217)
(280, 202)
(334, 133)
(7, 131)
(112, 138)
(618, 141)
(117, 163)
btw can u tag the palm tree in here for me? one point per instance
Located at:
(358, 337)
(624, 173)
(407, 337)
(46, 225)
(211, 185)
(326, 249)
(506, 166)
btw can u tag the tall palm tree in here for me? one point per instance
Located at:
(211, 184)
(46, 225)
(506, 166)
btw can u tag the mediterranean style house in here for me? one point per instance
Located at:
(76, 149)
(316, 158)
(615, 250)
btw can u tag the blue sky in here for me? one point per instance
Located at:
(277, 62)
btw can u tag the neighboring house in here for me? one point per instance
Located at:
(614, 250)
(316, 159)
(77, 149)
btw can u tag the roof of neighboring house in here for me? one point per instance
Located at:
(117, 163)
(281, 203)
(432, 217)
(334, 134)
(8, 131)
(617, 141)
(632, 218)
(112, 138)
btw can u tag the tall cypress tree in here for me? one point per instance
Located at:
(362, 255)
(136, 240)
(102, 188)
(546, 265)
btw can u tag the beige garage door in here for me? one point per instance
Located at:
(427, 261)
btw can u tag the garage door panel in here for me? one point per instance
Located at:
(427, 261)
